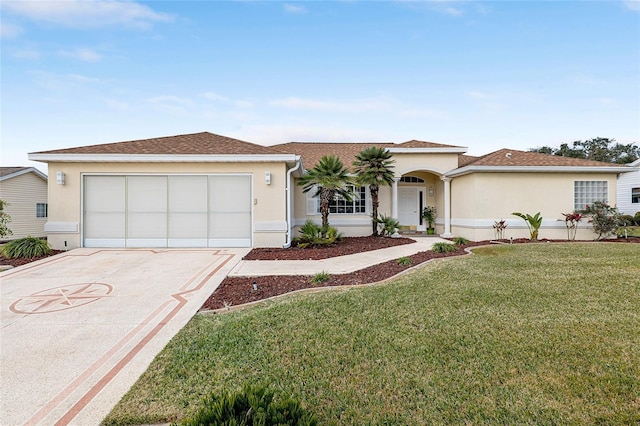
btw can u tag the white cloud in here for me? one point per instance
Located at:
(294, 8)
(57, 82)
(212, 96)
(9, 30)
(87, 13)
(27, 53)
(632, 5)
(447, 7)
(476, 94)
(364, 105)
(83, 54)
(275, 134)
(171, 103)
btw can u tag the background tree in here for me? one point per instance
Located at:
(330, 178)
(4, 221)
(374, 167)
(597, 149)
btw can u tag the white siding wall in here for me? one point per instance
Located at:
(22, 193)
(626, 181)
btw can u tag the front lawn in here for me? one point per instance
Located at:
(524, 334)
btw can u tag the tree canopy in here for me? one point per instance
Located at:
(597, 149)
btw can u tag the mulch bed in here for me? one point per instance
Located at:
(235, 291)
(24, 260)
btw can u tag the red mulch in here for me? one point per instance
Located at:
(349, 245)
(239, 290)
(23, 261)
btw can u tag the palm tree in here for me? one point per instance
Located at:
(329, 177)
(374, 167)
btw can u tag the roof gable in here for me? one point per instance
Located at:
(11, 172)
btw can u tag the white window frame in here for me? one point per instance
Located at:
(42, 210)
(635, 195)
(585, 192)
(358, 203)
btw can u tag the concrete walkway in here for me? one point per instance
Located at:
(335, 265)
(79, 328)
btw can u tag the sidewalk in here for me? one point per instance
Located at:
(334, 265)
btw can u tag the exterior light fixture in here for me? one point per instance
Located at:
(60, 178)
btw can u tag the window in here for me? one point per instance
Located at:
(587, 191)
(42, 210)
(411, 179)
(341, 206)
(635, 195)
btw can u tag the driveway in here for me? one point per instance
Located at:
(79, 328)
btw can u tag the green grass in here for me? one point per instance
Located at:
(527, 334)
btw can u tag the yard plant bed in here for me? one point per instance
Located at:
(523, 334)
(239, 290)
(348, 245)
(24, 260)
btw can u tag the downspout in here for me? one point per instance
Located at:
(289, 202)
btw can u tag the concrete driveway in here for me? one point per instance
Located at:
(79, 328)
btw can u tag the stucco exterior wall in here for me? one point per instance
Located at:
(480, 199)
(269, 201)
(22, 193)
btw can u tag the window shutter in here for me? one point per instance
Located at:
(312, 209)
(367, 196)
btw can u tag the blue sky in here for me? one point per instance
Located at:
(486, 75)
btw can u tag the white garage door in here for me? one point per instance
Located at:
(167, 211)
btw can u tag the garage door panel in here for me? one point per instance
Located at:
(230, 211)
(105, 215)
(147, 194)
(188, 196)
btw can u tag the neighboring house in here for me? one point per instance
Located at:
(24, 189)
(629, 190)
(206, 190)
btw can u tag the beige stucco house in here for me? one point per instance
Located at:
(206, 190)
(24, 189)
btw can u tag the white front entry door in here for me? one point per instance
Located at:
(408, 206)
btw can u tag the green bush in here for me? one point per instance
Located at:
(255, 405)
(404, 261)
(388, 225)
(636, 218)
(320, 278)
(627, 220)
(444, 247)
(314, 235)
(27, 248)
(460, 241)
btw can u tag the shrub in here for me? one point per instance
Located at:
(571, 221)
(254, 405)
(313, 235)
(533, 223)
(4, 221)
(320, 278)
(636, 218)
(404, 261)
(28, 248)
(604, 218)
(627, 220)
(388, 225)
(460, 241)
(444, 247)
(499, 226)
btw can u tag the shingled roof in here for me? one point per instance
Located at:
(312, 152)
(204, 143)
(512, 157)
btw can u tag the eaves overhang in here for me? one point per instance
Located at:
(537, 169)
(290, 159)
(24, 171)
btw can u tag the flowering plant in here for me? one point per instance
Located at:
(499, 226)
(571, 221)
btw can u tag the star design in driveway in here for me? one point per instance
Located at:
(61, 298)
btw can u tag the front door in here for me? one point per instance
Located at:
(408, 206)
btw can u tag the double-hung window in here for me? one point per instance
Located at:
(42, 210)
(635, 195)
(585, 192)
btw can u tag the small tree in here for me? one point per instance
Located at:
(571, 221)
(329, 177)
(374, 167)
(4, 221)
(429, 214)
(604, 218)
(533, 223)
